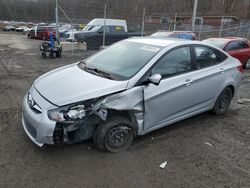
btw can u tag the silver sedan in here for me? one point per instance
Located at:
(129, 89)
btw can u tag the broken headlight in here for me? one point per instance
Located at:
(70, 113)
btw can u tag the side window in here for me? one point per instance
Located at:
(175, 62)
(107, 29)
(232, 46)
(206, 57)
(117, 29)
(41, 29)
(243, 44)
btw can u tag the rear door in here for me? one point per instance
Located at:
(208, 79)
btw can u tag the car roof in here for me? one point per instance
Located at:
(159, 41)
(228, 39)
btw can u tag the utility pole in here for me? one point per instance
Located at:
(104, 26)
(194, 14)
(143, 20)
(201, 25)
(56, 10)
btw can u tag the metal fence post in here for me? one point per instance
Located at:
(143, 20)
(248, 33)
(104, 26)
(56, 11)
(221, 25)
(175, 19)
(240, 28)
(201, 25)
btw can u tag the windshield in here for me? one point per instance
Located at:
(122, 60)
(219, 43)
(91, 28)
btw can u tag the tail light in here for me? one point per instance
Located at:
(240, 68)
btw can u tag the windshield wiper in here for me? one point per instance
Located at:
(96, 71)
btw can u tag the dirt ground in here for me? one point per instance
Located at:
(203, 151)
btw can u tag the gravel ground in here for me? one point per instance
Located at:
(203, 151)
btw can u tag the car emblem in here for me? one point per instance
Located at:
(30, 101)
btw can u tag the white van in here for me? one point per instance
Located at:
(98, 22)
(95, 24)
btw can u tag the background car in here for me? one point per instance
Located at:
(175, 34)
(22, 29)
(236, 47)
(9, 28)
(42, 32)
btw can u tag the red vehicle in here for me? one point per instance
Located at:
(235, 46)
(42, 32)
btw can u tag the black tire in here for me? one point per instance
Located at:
(44, 54)
(114, 135)
(223, 101)
(29, 36)
(51, 55)
(92, 45)
(58, 54)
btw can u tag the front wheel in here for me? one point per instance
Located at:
(58, 53)
(223, 101)
(115, 135)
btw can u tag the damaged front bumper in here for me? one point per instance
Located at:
(36, 123)
(41, 129)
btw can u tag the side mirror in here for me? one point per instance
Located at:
(155, 79)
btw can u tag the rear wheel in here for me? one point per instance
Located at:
(247, 65)
(223, 101)
(115, 135)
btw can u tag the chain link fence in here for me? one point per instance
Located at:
(148, 21)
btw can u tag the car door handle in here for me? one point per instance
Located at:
(222, 70)
(188, 82)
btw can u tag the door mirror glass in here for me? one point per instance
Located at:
(155, 79)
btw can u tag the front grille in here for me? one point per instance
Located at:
(30, 128)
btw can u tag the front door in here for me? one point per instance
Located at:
(173, 95)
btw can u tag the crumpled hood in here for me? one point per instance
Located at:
(70, 84)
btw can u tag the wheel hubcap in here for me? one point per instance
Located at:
(224, 101)
(118, 136)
